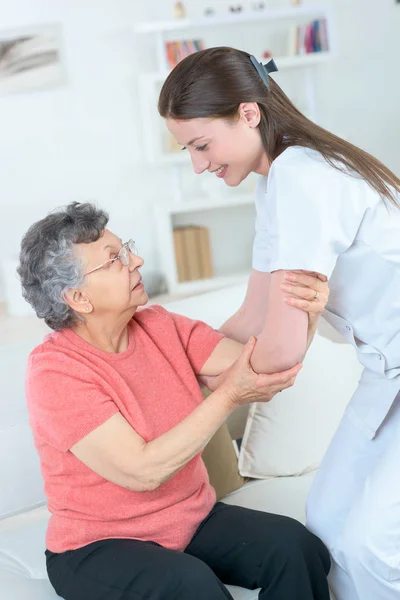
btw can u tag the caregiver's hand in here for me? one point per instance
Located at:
(244, 386)
(309, 291)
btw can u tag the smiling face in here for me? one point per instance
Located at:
(230, 149)
(113, 289)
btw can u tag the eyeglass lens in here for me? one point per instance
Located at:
(124, 252)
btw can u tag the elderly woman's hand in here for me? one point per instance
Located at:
(243, 385)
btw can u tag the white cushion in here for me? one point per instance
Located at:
(15, 587)
(22, 543)
(278, 495)
(20, 477)
(23, 573)
(290, 434)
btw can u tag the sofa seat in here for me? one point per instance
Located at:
(22, 561)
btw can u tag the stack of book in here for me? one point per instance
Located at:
(308, 38)
(192, 253)
(176, 51)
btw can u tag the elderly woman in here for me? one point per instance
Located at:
(119, 422)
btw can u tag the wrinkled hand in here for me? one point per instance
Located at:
(306, 286)
(243, 385)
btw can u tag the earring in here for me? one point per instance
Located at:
(87, 308)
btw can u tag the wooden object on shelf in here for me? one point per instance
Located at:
(180, 258)
(179, 10)
(207, 270)
(192, 253)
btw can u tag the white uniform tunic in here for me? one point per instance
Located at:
(312, 216)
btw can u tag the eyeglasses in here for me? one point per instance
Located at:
(123, 256)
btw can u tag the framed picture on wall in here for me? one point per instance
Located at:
(31, 58)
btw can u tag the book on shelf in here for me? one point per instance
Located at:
(180, 254)
(192, 253)
(308, 38)
(206, 267)
(179, 49)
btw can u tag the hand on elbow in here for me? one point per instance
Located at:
(243, 385)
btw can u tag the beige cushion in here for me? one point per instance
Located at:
(222, 464)
(221, 461)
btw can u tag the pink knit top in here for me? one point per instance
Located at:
(72, 388)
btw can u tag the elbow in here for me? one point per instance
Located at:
(150, 486)
(139, 477)
(136, 483)
(277, 359)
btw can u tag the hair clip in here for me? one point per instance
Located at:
(264, 70)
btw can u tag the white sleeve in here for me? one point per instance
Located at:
(311, 214)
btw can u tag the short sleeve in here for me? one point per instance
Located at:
(66, 400)
(309, 215)
(198, 339)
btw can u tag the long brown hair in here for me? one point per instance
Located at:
(213, 83)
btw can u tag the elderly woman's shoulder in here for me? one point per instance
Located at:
(55, 350)
(58, 360)
(51, 342)
(152, 312)
(159, 318)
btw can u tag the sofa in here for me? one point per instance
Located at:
(23, 512)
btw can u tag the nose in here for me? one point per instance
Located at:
(135, 261)
(200, 164)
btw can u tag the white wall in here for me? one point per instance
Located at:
(359, 93)
(82, 141)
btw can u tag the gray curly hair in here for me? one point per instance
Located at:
(48, 266)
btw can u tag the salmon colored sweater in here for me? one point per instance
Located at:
(73, 388)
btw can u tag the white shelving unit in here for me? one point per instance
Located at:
(149, 84)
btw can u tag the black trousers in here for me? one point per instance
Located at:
(232, 545)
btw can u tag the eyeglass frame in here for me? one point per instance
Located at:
(127, 247)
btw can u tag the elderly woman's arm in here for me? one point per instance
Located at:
(117, 453)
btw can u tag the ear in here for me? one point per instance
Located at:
(249, 112)
(78, 301)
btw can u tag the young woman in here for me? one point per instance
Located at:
(326, 206)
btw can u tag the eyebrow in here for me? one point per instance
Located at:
(193, 141)
(111, 245)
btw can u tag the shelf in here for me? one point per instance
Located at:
(199, 204)
(283, 63)
(204, 285)
(231, 19)
(301, 60)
